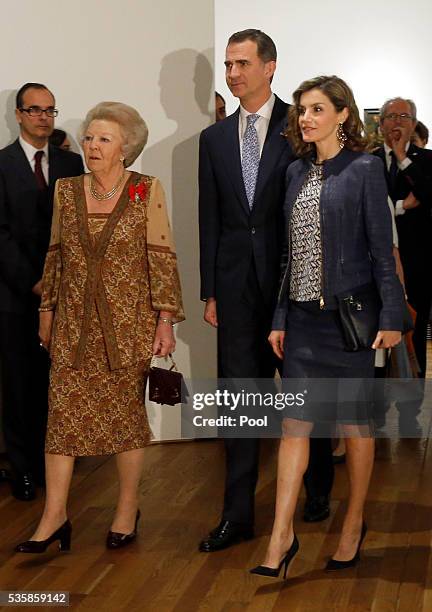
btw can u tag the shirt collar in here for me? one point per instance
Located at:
(30, 150)
(265, 110)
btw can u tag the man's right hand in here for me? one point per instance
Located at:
(210, 314)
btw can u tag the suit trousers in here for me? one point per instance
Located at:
(244, 352)
(25, 377)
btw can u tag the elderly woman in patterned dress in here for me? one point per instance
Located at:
(111, 295)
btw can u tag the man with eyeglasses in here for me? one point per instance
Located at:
(29, 168)
(408, 170)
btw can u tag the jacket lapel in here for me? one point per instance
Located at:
(232, 158)
(294, 189)
(53, 165)
(22, 167)
(274, 145)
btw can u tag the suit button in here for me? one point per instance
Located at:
(253, 230)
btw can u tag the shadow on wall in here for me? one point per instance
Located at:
(7, 106)
(186, 90)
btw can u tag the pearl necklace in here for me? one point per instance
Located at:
(109, 194)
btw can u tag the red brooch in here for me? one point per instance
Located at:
(137, 192)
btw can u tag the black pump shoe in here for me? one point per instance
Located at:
(334, 565)
(273, 572)
(63, 534)
(119, 540)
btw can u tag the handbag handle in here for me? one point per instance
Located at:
(155, 359)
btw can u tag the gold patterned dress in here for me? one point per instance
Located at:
(106, 277)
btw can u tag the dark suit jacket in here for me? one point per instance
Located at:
(356, 234)
(231, 236)
(415, 225)
(25, 221)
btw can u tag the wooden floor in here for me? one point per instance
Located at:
(181, 498)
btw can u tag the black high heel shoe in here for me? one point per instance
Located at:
(273, 572)
(63, 534)
(118, 540)
(334, 565)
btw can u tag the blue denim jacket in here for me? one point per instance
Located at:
(356, 234)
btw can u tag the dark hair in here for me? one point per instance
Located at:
(266, 49)
(21, 91)
(217, 95)
(422, 131)
(341, 96)
(57, 137)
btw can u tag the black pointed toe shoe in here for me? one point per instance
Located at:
(63, 534)
(333, 564)
(226, 534)
(273, 572)
(116, 540)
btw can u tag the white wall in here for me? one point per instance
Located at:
(381, 49)
(156, 56)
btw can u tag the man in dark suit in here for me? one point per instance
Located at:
(29, 168)
(408, 170)
(243, 160)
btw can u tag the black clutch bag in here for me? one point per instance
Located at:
(359, 312)
(165, 385)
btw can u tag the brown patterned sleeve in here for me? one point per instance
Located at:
(164, 278)
(53, 264)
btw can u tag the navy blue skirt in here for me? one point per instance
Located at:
(314, 349)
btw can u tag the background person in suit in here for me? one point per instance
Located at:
(29, 168)
(408, 171)
(243, 160)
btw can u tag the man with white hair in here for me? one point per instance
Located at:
(408, 170)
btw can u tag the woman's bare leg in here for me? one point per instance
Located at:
(359, 459)
(58, 475)
(129, 466)
(293, 460)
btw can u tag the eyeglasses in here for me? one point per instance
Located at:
(401, 116)
(37, 111)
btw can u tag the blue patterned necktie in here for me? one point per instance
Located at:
(250, 158)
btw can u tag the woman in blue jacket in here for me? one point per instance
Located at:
(338, 238)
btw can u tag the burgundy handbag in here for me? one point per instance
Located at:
(165, 385)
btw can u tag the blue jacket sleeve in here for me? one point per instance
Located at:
(380, 241)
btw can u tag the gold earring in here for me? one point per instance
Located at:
(341, 136)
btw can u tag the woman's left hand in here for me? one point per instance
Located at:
(386, 339)
(164, 341)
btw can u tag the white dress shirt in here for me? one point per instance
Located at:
(30, 152)
(261, 124)
(399, 209)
